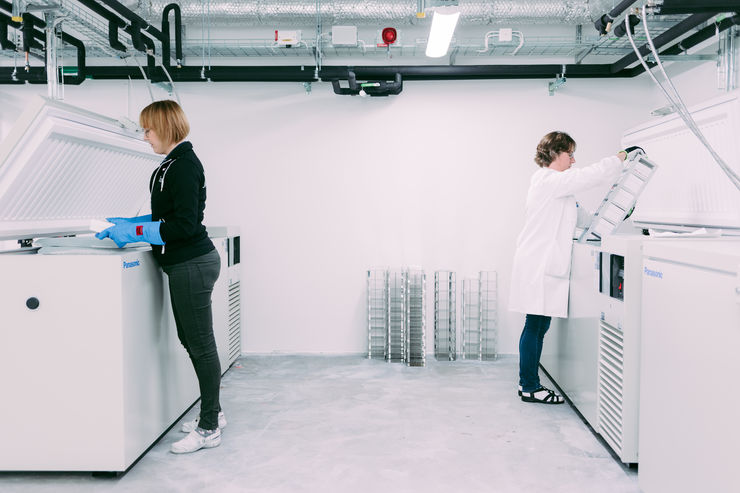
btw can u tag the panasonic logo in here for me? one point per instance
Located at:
(129, 265)
(653, 273)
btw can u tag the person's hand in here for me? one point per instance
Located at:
(118, 220)
(137, 219)
(622, 155)
(126, 232)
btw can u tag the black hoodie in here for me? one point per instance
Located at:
(178, 190)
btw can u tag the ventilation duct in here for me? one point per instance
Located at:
(371, 12)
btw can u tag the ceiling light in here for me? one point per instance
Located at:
(443, 27)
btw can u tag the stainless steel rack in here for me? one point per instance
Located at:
(479, 317)
(415, 318)
(445, 316)
(377, 313)
(396, 315)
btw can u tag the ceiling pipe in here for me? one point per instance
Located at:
(37, 75)
(671, 34)
(669, 7)
(373, 12)
(173, 7)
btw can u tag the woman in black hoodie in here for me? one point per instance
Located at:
(182, 248)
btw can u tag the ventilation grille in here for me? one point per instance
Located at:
(235, 322)
(611, 380)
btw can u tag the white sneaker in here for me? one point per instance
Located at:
(189, 426)
(195, 441)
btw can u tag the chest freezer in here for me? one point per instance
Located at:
(691, 332)
(90, 358)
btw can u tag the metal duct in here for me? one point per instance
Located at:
(372, 12)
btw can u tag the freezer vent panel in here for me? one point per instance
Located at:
(77, 178)
(611, 384)
(235, 323)
(445, 316)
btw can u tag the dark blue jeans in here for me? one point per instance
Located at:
(191, 284)
(530, 350)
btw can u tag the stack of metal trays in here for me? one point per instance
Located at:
(377, 313)
(445, 316)
(470, 347)
(415, 317)
(397, 314)
(488, 314)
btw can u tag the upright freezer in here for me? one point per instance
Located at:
(690, 338)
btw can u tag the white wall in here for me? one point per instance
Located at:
(325, 186)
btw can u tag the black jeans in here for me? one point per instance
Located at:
(530, 350)
(191, 284)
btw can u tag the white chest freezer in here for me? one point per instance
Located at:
(690, 338)
(570, 349)
(91, 368)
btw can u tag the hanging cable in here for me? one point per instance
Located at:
(675, 99)
(143, 74)
(172, 83)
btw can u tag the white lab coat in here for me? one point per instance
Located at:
(540, 277)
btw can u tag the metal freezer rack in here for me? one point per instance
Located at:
(396, 315)
(377, 313)
(479, 317)
(445, 316)
(415, 316)
(621, 198)
(488, 296)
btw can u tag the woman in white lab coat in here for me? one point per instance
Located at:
(541, 268)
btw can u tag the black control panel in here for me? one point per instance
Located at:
(611, 275)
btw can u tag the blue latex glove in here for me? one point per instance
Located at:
(126, 232)
(137, 219)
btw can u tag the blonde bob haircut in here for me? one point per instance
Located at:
(167, 119)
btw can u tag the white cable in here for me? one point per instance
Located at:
(521, 42)
(493, 33)
(485, 41)
(676, 100)
(172, 83)
(143, 74)
(688, 119)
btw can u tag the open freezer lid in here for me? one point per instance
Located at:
(62, 167)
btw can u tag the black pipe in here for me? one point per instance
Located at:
(132, 17)
(691, 41)
(674, 32)
(35, 75)
(28, 33)
(5, 42)
(80, 77)
(603, 23)
(149, 49)
(113, 28)
(166, 35)
(696, 6)
(216, 74)
(114, 22)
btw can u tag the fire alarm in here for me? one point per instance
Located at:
(389, 35)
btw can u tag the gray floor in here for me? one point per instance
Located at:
(328, 423)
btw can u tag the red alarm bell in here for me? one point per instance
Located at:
(389, 35)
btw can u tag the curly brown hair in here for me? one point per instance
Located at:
(551, 145)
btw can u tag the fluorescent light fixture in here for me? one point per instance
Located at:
(443, 27)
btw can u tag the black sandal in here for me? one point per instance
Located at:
(542, 396)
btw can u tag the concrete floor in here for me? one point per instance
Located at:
(346, 424)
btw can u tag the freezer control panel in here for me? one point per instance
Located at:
(611, 275)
